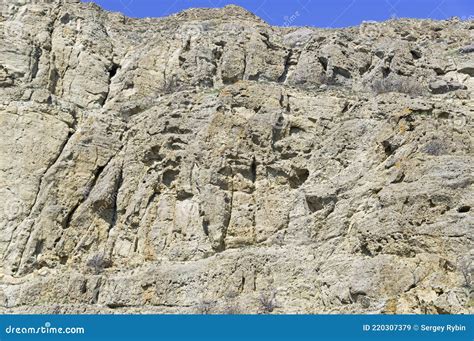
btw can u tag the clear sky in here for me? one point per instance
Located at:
(321, 13)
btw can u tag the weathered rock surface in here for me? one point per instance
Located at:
(208, 162)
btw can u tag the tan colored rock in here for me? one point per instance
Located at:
(200, 162)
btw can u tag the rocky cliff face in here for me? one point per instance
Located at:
(210, 163)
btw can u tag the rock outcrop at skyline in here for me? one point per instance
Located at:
(208, 162)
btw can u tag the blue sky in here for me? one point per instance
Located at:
(321, 13)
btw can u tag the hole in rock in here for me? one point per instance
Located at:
(113, 70)
(299, 177)
(169, 176)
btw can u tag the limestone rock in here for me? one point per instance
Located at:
(442, 86)
(208, 162)
(467, 49)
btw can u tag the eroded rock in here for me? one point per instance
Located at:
(200, 162)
